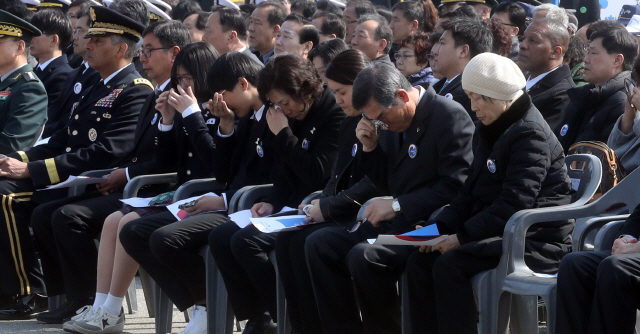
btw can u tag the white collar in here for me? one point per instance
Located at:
(422, 91)
(46, 63)
(244, 47)
(85, 65)
(257, 115)
(446, 82)
(114, 74)
(163, 86)
(532, 81)
(11, 72)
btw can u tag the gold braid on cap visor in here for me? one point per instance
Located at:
(101, 27)
(50, 4)
(8, 30)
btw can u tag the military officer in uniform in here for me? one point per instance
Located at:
(99, 135)
(23, 99)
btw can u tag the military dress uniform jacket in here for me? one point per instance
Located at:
(247, 157)
(190, 143)
(23, 110)
(549, 95)
(77, 82)
(430, 167)
(54, 76)
(306, 151)
(99, 134)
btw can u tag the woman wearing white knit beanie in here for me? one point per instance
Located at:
(518, 164)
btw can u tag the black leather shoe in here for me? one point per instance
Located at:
(24, 307)
(66, 310)
(260, 325)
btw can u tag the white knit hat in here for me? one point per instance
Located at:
(493, 76)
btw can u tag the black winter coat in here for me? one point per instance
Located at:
(592, 112)
(518, 164)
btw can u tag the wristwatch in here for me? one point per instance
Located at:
(395, 205)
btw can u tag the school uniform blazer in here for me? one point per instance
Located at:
(53, 77)
(455, 92)
(428, 171)
(549, 95)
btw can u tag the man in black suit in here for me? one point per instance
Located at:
(541, 54)
(53, 67)
(598, 291)
(461, 40)
(78, 81)
(225, 30)
(424, 172)
(99, 135)
(68, 254)
(264, 24)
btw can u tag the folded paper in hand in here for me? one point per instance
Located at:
(426, 236)
(73, 181)
(243, 218)
(278, 224)
(182, 214)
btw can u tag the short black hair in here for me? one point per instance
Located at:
(169, 33)
(378, 82)
(471, 32)
(291, 75)
(603, 24)
(232, 19)
(517, 15)
(230, 67)
(78, 3)
(345, 66)
(328, 7)
(422, 11)
(196, 58)
(84, 10)
(362, 7)
(297, 18)
(185, 8)
(134, 9)
(306, 7)
(328, 49)
(309, 33)
(333, 25)
(54, 22)
(384, 13)
(464, 11)
(276, 14)
(382, 30)
(618, 40)
(20, 11)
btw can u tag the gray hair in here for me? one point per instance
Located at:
(557, 34)
(554, 12)
(378, 81)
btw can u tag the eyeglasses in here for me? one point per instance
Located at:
(147, 52)
(403, 57)
(351, 22)
(585, 46)
(507, 24)
(186, 79)
(78, 31)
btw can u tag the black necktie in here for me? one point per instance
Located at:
(38, 71)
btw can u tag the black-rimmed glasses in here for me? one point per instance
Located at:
(147, 52)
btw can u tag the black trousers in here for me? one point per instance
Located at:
(440, 292)
(19, 265)
(296, 280)
(250, 278)
(329, 256)
(65, 231)
(169, 252)
(598, 293)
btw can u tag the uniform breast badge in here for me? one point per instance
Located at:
(93, 134)
(4, 95)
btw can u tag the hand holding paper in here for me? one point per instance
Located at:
(426, 236)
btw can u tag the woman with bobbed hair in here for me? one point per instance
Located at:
(518, 164)
(305, 119)
(412, 59)
(337, 203)
(321, 55)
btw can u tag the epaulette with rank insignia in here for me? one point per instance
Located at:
(30, 76)
(142, 81)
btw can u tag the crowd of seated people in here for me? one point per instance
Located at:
(406, 106)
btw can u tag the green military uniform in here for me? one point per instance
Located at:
(23, 110)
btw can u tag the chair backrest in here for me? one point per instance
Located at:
(311, 197)
(607, 234)
(585, 171)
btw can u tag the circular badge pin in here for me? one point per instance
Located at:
(413, 151)
(564, 129)
(305, 144)
(155, 118)
(260, 151)
(354, 150)
(449, 96)
(93, 134)
(77, 88)
(491, 165)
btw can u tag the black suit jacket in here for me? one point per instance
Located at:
(456, 93)
(58, 113)
(549, 95)
(99, 134)
(74, 60)
(441, 134)
(632, 224)
(53, 77)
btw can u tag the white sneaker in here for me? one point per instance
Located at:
(80, 314)
(198, 321)
(100, 321)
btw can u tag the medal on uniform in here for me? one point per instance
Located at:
(106, 115)
(413, 151)
(4, 95)
(107, 101)
(564, 129)
(93, 134)
(491, 165)
(313, 130)
(77, 88)
(259, 148)
(155, 118)
(305, 144)
(354, 150)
